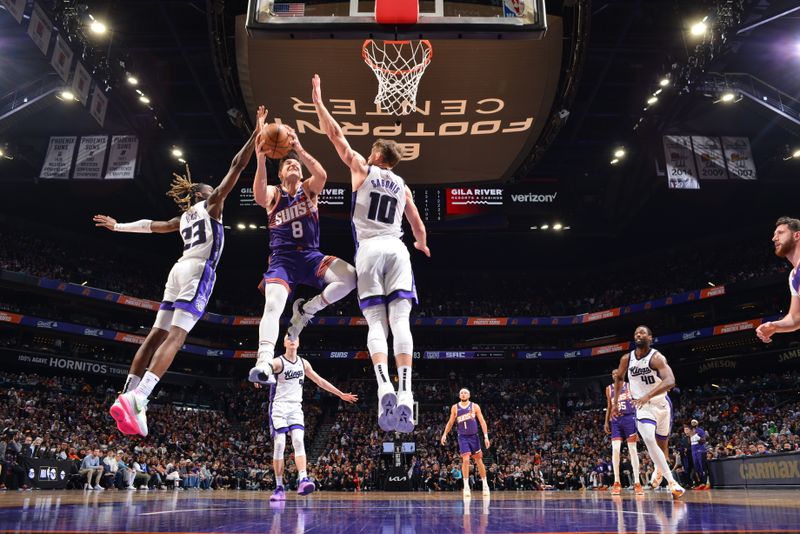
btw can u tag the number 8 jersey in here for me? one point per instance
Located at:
(642, 378)
(294, 222)
(203, 236)
(378, 205)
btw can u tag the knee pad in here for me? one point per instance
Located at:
(298, 442)
(378, 329)
(342, 273)
(279, 446)
(399, 320)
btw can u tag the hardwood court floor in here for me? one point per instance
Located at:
(114, 512)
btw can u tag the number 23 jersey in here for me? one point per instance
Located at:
(203, 236)
(642, 378)
(378, 205)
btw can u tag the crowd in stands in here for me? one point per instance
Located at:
(442, 294)
(538, 441)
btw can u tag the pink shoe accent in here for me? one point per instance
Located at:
(123, 423)
(130, 414)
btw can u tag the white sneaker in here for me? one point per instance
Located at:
(86, 486)
(262, 372)
(676, 490)
(132, 488)
(405, 413)
(98, 487)
(467, 491)
(144, 488)
(486, 491)
(299, 320)
(136, 411)
(387, 400)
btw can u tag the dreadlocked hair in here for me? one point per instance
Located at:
(182, 190)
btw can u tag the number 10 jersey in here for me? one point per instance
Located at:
(378, 205)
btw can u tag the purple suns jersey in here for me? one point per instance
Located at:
(625, 405)
(294, 222)
(465, 420)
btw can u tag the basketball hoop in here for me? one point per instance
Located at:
(398, 66)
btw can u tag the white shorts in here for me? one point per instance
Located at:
(285, 417)
(383, 270)
(186, 294)
(659, 413)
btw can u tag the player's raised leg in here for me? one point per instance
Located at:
(339, 279)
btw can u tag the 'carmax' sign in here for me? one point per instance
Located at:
(781, 469)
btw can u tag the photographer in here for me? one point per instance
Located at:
(13, 475)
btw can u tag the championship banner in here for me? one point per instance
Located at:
(709, 158)
(739, 157)
(81, 83)
(91, 155)
(99, 105)
(16, 8)
(62, 58)
(58, 161)
(681, 170)
(40, 29)
(122, 157)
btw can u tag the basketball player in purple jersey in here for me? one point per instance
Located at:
(386, 288)
(785, 240)
(466, 415)
(189, 284)
(295, 257)
(622, 427)
(649, 379)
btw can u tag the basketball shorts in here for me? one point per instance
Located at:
(624, 427)
(292, 267)
(186, 294)
(657, 412)
(285, 417)
(469, 444)
(383, 270)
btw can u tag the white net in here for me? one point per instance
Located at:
(398, 66)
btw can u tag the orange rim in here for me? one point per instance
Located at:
(373, 66)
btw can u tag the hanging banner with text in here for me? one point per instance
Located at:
(81, 83)
(739, 157)
(709, 158)
(122, 157)
(40, 29)
(16, 8)
(99, 105)
(91, 155)
(58, 161)
(62, 58)
(681, 170)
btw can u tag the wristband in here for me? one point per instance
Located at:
(141, 226)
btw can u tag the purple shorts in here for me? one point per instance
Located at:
(469, 443)
(623, 427)
(292, 267)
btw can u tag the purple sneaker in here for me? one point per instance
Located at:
(278, 494)
(305, 487)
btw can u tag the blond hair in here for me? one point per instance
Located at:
(182, 190)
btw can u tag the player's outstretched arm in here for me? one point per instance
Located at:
(142, 226)
(449, 424)
(788, 323)
(618, 376)
(238, 164)
(327, 386)
(659, 363)
(263, 193)
(609, 401)
(351, 158)
(417, 226)
(482, 422)
(316, 183)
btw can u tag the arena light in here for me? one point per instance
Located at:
(252, 226)
(796, 154)
(144, 100)
(619, 153)
(2, 153)
(614, 161)
(658, 92)
(67, 95)
(727, 97)
(544, 226)
(567, 228)
(132, 80)
(241, 226)
(558, 226)
(699, 28)
(97, 27)
(181, 160)
(177, 152)
(534, 227)
(652, 100)
(664, 82)
(712, 284)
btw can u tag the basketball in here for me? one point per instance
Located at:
(274, 142)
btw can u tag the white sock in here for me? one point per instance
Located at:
(311, 307)
(145, 387)
(404, 376)
(381, 373)
(266, 350)
(279, 481)
(616, 446)
(634, 460)
(302, 474)
(131, 383)
(648, 433)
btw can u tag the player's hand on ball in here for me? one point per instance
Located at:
(349, 397)
(104, 221)
(294, 141)
(423, 248)
(765, 331)
(261, 118)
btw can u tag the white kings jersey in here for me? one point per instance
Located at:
(642, 378)
(203, 236)
(378, 205)
(289, 383)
